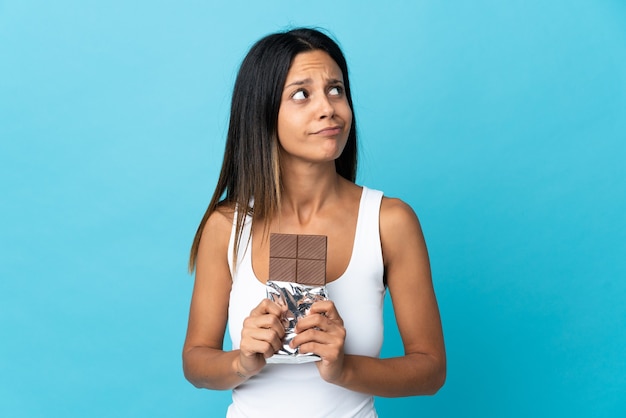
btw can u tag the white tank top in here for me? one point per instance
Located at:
(358, 295)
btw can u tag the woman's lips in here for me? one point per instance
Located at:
(330, 131)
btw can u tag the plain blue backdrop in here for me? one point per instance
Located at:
(501, 122)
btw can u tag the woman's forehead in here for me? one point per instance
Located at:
(312, 62)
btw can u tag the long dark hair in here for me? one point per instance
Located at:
(250, 168)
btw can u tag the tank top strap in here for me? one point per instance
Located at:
(243, 252)
(368, 223)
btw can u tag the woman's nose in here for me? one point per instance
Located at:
(326, 108)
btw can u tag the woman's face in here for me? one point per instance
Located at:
(314, 118)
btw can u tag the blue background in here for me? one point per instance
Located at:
(501, 123)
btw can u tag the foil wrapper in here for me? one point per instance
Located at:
(298, 299)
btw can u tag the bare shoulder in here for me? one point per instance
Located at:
(219, 222)
(396, 217)
(216, 232)
(400, 231)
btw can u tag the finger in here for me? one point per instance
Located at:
(326, 308)
(260, 340)
(266, 328)
(318, 321)
(328, 353)
(265, 307)
(312, 321)
(253, 348)
(266, 321)
(315, 335)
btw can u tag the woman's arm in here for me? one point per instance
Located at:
(205, 363)
(422, 369)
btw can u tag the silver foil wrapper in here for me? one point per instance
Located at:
(298, 299)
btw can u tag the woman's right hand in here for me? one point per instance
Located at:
(261, 336)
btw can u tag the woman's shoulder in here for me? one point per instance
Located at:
(393, 206)
(397, 218)
(401, 234)
(219, 223)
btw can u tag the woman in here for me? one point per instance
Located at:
(289, 167)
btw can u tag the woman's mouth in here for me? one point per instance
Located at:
(329, 131)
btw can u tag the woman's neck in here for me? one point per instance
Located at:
(307, 189)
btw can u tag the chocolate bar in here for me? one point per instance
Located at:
(298, 258)
(297, 279)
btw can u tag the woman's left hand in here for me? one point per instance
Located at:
(322, 332)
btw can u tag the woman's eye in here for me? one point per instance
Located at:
(299, 95)
(335, 91)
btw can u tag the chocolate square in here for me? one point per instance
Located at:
(298, 258)
(312, 247)
(284, 245)
(311, 272)
(283, 269)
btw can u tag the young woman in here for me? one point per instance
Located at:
(289, 167)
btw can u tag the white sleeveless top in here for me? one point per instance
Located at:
(358, 295)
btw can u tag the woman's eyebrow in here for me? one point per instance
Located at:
(309, 81)
(299, 82)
